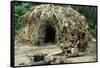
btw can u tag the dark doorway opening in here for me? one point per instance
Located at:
(49, 34)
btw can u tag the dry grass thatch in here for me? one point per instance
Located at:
(62, 19)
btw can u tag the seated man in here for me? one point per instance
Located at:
(82, 42)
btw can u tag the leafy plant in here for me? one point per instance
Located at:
(90, 12)
(20, 9)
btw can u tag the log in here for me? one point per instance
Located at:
(38, 57)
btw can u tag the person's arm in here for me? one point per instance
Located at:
(77, 42)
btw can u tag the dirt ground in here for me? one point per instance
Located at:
(24, 53)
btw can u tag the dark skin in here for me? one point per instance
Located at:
(74, 39)
(82, 42)
(79, 40)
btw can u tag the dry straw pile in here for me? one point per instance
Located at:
(62, 20)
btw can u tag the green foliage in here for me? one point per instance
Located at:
(90, 12)
(20, 9)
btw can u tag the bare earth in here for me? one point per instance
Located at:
(24, 53)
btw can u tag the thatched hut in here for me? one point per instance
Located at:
(50, 23)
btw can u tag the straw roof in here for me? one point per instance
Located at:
(35, 21)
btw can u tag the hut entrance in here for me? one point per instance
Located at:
(49, 34)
